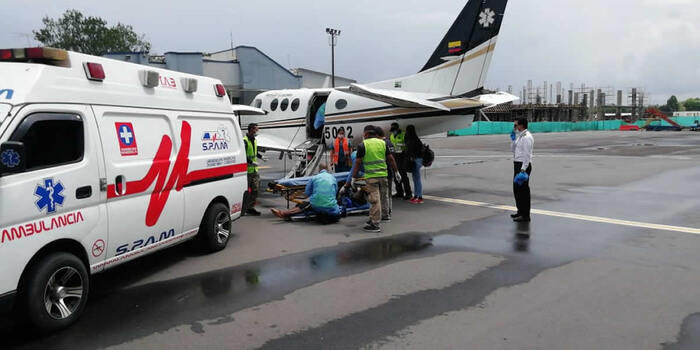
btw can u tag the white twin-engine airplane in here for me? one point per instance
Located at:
(443, 96)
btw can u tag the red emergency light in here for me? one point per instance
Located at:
(220, 90)
(33, 53)
(94, 71)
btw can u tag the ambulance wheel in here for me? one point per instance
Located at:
(56, 292)
(215, 229)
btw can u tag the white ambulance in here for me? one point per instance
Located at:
(101, 162)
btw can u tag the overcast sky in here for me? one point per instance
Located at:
(654, 44)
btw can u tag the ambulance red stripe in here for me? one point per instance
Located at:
(158, 174)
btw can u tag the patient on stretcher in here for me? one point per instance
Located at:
(321, 191)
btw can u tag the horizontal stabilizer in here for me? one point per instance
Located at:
(396, 98)
(495, 99)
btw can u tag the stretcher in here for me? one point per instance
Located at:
(345, 211)
(292, 189)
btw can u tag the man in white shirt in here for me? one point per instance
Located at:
(521, 145)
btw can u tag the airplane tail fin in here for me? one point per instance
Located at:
(467, 48)
(459, 64)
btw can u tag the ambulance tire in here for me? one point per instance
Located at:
(70, 279)
(215, 230)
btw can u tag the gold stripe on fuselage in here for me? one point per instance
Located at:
(465, 59)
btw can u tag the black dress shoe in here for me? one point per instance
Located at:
(513, 216)
(521, 219)
(252, 212)
(407, 197)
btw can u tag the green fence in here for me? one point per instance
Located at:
(492, 128)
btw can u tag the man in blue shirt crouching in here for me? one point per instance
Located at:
(321, 191)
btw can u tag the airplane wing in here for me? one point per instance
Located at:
(396, 98)
(268, 142)
(247, 110)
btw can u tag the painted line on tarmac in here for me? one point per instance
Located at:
(583, 156)
(571, 216)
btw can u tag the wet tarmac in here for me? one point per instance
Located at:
(188, 299)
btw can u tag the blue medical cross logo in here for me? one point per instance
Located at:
(126, 135)
(49, 195)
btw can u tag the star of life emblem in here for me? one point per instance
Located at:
(49, 195)
(10, 158)
(486, 18)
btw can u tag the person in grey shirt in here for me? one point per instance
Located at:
(522, 144)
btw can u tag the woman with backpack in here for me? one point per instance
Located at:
(414, 150)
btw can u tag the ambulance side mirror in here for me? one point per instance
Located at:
(12, 158)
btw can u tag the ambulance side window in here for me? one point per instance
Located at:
(50, 139)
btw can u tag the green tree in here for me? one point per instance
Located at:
(89, 35)
(692, 104)
(673, 104)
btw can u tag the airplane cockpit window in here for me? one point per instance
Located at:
(284, 104)
(295, 104)
(340, 104)
(257, 103)
(273, 105)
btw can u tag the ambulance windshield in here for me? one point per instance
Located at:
(4, 109)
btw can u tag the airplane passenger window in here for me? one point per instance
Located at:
(257, 103)
(273, 105)
(284, 104)
(295, 104)
(340, 104)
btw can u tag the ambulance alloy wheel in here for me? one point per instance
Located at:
(56, 291)
(215, 229)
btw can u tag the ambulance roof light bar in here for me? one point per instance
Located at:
(33, 53)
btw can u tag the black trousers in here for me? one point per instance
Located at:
(522, 192)
(403, 188)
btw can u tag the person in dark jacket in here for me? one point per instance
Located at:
(414, 150)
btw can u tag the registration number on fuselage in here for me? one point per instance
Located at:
(331, 132)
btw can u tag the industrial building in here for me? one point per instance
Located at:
(245, 70)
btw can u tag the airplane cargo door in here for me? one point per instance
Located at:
(315, 106)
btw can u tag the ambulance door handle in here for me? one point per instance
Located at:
(120, 185)
(83, 192)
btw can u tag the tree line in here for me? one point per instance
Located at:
(90, 35)
(673, 105)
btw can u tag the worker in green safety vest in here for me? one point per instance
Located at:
(374, 156)
(251, 153)
(398, 138)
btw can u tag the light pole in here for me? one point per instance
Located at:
(332, 41)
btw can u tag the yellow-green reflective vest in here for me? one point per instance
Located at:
(399, 141)
(251, 152)
(374, 160)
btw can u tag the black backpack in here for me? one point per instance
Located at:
(428, 156)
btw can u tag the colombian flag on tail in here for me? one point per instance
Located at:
(454, 46)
